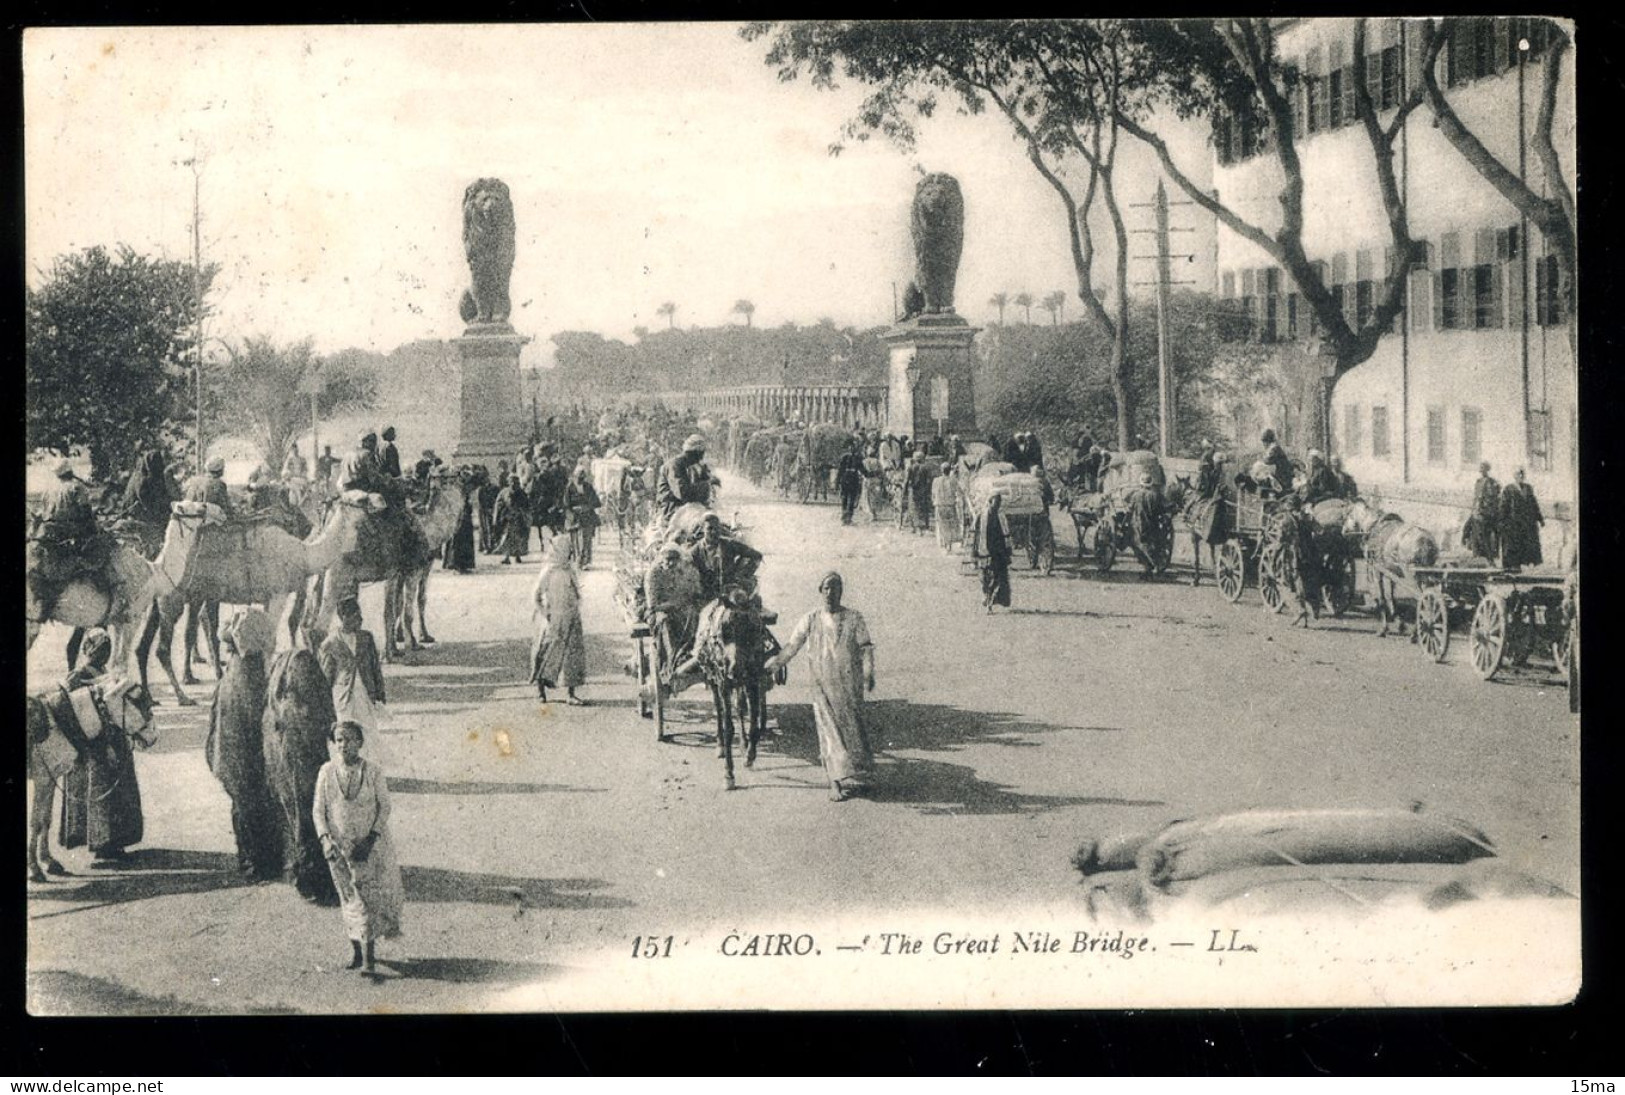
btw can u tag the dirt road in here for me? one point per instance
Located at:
(537, 839)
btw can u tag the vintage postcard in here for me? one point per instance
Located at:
(808, 515)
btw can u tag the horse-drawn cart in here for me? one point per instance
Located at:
(1022, 503)
(1104, 518)
(1251, 548)
(1512, 615)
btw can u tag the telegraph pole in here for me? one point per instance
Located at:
(196, 165)
(1165, 373)
(1168, 433)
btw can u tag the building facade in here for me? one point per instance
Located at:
(1479, 366)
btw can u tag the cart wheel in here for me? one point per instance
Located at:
(1164, 557)
(1489, 635)
(1271, 580)
(1232, 570)
(1105, 547)
(1433, 624)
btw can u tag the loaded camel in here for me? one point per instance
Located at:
(129, 584)
(251, 563)
(381, 557)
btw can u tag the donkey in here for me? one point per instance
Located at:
(65, 727)
(732, 647)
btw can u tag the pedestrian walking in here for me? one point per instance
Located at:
(849, 476)
(915, 512)
(581, 505)
(842, 665)
(991, 548)
(351, 812)
(458, 554)
(234, 748)
(349, 660)
(1520, 524)
(558, 657)
(945, 508)
(510, 516)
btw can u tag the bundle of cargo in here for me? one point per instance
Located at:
(1021, 494)
(1124, 470)
(606, 475)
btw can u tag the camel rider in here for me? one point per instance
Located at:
(66, 543)
(686, 478)
(1322, 482)
(722, 561)
(360, 470)
(1275, 456)
(210, 487)
(262, 488)
(294, 466)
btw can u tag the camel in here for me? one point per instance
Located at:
(344, 578)
(413, 600)
(135, 583)
(54, 748)
(250, 563)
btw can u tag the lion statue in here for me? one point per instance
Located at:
(938, 226)
(488, 234)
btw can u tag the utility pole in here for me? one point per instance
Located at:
(196, 165)
(1165, 372)
(1168, 433)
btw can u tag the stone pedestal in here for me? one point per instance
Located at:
(931, 361)
(493, 425)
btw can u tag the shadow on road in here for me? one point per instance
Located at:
(470, 971)
(937, 787)
(399, 786)
(59, 992)
(440, 884)
(150, 872)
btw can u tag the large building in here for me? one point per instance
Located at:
(1479, 366)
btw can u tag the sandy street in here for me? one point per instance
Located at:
(535, 838)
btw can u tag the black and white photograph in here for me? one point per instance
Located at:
(811, 515)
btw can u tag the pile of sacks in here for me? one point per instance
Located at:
(1022, 493)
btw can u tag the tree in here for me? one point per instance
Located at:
(1231, 69)
(1055, 304)
(1024, 301)
(743, 307)
(1061, 87)
(264, 391)
(669, 310)
(108, 338)
(999, 300)
(1555, 215)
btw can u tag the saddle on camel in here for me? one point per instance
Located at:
(65, 545)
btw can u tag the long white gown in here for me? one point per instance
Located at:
(350, 803)
(834, 642)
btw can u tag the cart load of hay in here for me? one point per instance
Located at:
(1124, 471)
(606, 475)
(1021, 494)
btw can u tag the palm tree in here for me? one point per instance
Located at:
(1025, 300)
(1055, 304)
(744, 308)
(669, 310)
(999, 300)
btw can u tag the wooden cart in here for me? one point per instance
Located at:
(1512, 616)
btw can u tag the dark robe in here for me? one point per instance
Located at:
(992, 550)
(511, 521)
(235, 753)
(101, 802)
(458, 553)
(389, 460)
(1480, 533)
(1280, 465)
(1321, 485)
(1520, 526)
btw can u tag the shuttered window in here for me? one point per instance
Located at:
(1351, 429)
(1379, 432)
(1472, 425)
(1436, 438)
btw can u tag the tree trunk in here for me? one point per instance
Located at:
(1122, 393)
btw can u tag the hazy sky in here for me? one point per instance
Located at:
(647, 163)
